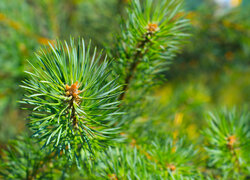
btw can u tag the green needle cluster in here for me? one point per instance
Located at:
(74, 105)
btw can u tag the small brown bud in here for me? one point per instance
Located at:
(75, 95)
(171, 167)
(67, 87)
(112, 177)
(231, 140)
(133, 143)
(67, 93)
(152, 27)
(74, 86)
(73, 91)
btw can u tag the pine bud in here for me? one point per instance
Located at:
(152, 27)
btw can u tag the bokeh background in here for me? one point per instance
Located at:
(211, 72)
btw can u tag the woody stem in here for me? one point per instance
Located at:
(73, 113)
(237, 163)
(132, 68)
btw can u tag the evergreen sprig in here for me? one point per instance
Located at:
(173, 158)
(150, 38)
(24, 160)
(124, 162)
(228, 137)
(163, 159)
(75, 110)
(73, 103)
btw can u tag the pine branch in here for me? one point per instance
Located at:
(132, 69)
(150, 37)
(24, 160)
(228, 141)
(73, 105)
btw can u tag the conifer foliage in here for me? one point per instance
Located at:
(84, 108)
(72, 102)
(150, 38)
(228, 136)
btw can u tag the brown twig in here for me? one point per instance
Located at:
(73, 92)
(231, 140)
(132, 69)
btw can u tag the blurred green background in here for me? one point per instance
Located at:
(212, 71)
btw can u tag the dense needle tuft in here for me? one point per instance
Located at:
(227, 137)
(171, 167)
(74, 107)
